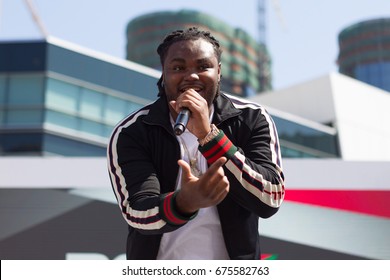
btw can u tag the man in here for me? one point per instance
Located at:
(197, 195)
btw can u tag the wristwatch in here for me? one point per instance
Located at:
(210, 136)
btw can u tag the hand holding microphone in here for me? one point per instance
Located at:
(181, 121)
(192, 111)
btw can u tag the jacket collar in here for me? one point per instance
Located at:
(159, 112)
(224, 109)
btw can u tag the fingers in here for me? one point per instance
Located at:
(215, 167)
(219, 190)
(191, 100)
(187, 178)
(214, 183)
(186, 169)
(173, 104)
(218, 163)
(208, 190)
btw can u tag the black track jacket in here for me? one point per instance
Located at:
(142, 160)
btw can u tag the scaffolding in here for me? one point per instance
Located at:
(246, 63)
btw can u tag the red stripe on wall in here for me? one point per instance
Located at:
(371, 202)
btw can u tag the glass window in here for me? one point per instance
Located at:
(293, 153)
(3, 82)
(62, 96)
(2, 114)
(306, 136)
(107, 130)
(374, 74)
(25, 90)
(132, 107)
(61, 119)
(91, 127)
(24, 116)
(114, 109)
(91, 104)
(67, 147)
(385, 76)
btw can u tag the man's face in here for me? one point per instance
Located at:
(191, 64)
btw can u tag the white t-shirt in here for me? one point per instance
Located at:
(201, 238)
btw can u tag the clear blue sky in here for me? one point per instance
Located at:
(301, 34)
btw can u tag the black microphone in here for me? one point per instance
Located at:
(181, 121)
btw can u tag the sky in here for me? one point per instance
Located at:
(301, 35)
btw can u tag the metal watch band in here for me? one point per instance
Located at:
(210, 136)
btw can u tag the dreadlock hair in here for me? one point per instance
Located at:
(192, 33)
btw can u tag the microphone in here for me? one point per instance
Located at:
(181, 121)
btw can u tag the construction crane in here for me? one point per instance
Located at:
(263, 59)
(36, 18)
(261, 17)
(279, 14)
(261, 14)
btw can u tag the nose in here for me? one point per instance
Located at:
(192, 75)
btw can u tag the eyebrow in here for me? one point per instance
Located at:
(182, 60)
(204, 60)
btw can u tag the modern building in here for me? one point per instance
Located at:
(60, 99)
(59, 102)
(245, 63)
(357, 111)
(364, 52)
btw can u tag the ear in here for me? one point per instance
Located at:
(219, 72)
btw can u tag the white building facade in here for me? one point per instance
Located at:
(359, 112)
